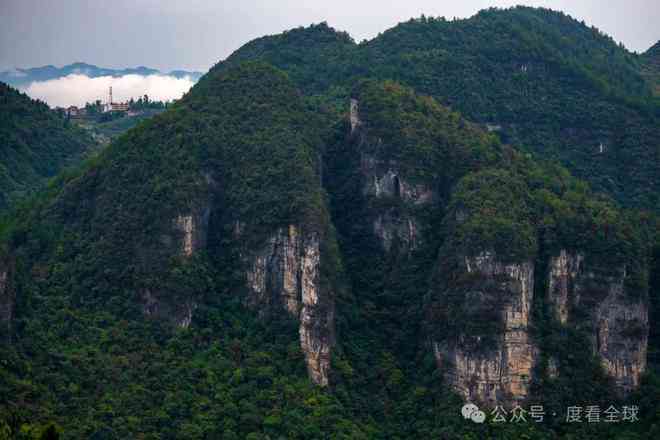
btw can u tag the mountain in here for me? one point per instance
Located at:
(540, 79)
(221, 187)
(37, 143)
(20, 77)
(309, 245)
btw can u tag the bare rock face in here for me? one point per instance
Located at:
(563, 270)
(193, 228)
(501, 373)
(180, 314)
(384, 180)
(385, 183)
(617, 323)
(285, 273)
(7, 295)
(188, 235)
(389, 227)
(354, 115)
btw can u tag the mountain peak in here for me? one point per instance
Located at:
(653, 51)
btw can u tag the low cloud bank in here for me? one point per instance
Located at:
(78, 89)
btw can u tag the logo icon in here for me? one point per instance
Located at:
(472, 412)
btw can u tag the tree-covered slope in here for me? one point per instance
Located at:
(149, 241)
(541, 79)
(132, 315)
(315, 58)
(415, 191)
(652, 67)
(547, 82)
(313, 250)
(35, 144)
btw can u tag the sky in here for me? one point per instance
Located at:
(195, 34)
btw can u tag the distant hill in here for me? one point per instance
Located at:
(36, 143)
(20, 77)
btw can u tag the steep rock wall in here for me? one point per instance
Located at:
(193, 228)
(501, 373)
(187, 235)
(385, 180)
(563, 271)
(617, 324)
(285, 273)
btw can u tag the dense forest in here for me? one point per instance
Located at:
(652, 67)
(542, 80)
(36, 144)
(521, 132)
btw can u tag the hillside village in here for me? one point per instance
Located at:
(109, 119)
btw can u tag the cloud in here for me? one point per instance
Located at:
(78, 89)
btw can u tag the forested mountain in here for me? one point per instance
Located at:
(23, 77)
(314, 243)
(35, 144)
(542, 80)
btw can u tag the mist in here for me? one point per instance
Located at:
(79, 89)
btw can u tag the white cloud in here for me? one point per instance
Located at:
(78, 89)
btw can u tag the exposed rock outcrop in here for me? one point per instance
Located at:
(384, 179)
(501, 373)
(194, 230)
(188, 235)
(617, 323)
(180, 314)
(563, 272)
(285, 273)
(354, 115)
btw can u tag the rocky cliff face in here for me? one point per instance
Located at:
(500, 373)
(285, 273)
(187, 235)
(193, 228)
(385, 180)
(562, 275)
(616, 323)
(581, 295)
(282, 274)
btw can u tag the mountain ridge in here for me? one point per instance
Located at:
(37, 143)
(22, 77)
(579, 99)
(317, 244)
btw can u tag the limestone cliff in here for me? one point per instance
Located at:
(385, 183)
(499, 372)
(285, 273)
(186, 235)
(617, 322)
(193, 228)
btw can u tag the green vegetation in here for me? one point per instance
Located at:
(271, 146)
(491, 197)
(554, 86)
(86, 249)
(651, 68)
(36, 143)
